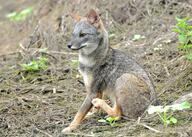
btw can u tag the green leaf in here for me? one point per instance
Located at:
(189, 56)
(75, 61)
(189, 27)
(189, 46)
(180, 46)
(102, 121)
(181, 106)
(110, 119)
(137, 37)
(11, 15)
(167, 122)
(160, 109)
(173, 120)
(26, 11)
(178, 19)
(189, 33)
(181, 24)
(185, 105)
(23, 14)
(176, 30)
(14, 16)
(186, 18)
(182, 38)
(35, 65)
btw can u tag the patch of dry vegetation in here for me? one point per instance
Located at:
(42, 103)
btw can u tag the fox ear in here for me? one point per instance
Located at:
(93, 17)
(76, 17)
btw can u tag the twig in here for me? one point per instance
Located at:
(150, 128)
(31, 42)
(43, 132)
(52, 51)
(62, 24)
(167, 71)
(65, 53)
(21, 46)
(10, 53)
(79, 134)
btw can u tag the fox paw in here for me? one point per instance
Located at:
(97, 102)
(67, 130)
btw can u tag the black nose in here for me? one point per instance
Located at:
(69, 46)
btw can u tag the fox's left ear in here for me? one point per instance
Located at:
(93, 17)
(76, 17)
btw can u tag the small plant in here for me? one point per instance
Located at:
(165, 113)
(35, 65)
(18, 16)
(184, 32)
(75, 62)
(137, 37)
(109, 120)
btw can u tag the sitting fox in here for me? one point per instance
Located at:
(107, 71)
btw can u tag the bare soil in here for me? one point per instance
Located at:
(41, 104)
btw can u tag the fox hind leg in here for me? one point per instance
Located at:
(133, 95)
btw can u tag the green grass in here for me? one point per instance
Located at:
(19, 16)
(184, 31)
(35, 65)
(165, 113)
(109, 120)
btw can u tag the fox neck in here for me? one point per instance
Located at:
(97, 56)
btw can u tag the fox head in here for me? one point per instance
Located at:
(88, 33)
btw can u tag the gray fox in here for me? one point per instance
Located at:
(107, 71)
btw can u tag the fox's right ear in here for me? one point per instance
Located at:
(76, 17)
(93, 17)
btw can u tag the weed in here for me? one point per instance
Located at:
(35, 65)
(109, 120)
(18, 16)
(74, 62)
(137, 37)
(165, 113)
(184, 32)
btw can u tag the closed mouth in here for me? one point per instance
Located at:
(79, 47)
(82, 46)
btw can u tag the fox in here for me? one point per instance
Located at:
(107, 71)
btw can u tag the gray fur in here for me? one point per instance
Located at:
(105, 70)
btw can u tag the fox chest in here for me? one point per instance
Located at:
(87, 78)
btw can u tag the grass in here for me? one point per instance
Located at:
(184, 31)
(35, 65)
(165, 113)
(109, 120)
(19, 16)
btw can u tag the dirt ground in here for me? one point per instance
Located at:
(41, 104)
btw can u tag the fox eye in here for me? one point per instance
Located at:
(82, 34)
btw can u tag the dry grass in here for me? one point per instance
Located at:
(45, 102)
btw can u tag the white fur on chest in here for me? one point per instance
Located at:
(87, 78)
(89, 62)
